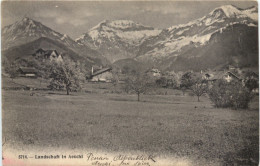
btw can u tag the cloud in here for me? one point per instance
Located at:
(162, 9)
(75, 18)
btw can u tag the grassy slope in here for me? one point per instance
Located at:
(160, 125)
(26, 50)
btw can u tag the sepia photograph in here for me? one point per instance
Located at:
(130, 83)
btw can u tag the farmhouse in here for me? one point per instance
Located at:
(228, 76)
(39, 53)
(154, 72)
(48, 54)
(102, 75)
(27, 72)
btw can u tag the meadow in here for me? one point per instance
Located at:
(171, 124)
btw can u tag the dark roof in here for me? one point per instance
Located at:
(153, 70)
(40, 50)
(48, 52)
(234, 75)
(27, 70)
(221, 74)
(251, 74)
(212, 75)
(101, 71)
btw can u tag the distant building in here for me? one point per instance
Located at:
(48, 54)
(27, 72)
(39, 53)
(230, 67)
(154, 72)
(228, 76)
(51, 54)
(102, 75)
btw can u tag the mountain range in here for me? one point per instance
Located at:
(227, 35)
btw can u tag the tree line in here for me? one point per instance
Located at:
(70, 76)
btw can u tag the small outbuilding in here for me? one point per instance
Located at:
(154, 72)
(27, 72)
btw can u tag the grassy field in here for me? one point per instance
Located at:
(172, 124)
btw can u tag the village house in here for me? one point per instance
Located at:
(39, 53)
(27, 72)
(213, 76)
(154, 72)
(230, 76)
(47, 54)
(101, 75)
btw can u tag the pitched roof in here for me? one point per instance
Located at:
(40, 50)
(28, 70)
(49, 52)
(234, 75)
(101, 71)
(221, 74)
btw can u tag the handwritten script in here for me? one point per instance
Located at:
(99, 160)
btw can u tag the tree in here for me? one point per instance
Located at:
(138, 83)
(125, 70)
(199, 87)
(162, 82)
(41, 65)
(11, 69)
(168, 81)
(195, 83)
(115, 77)
(187, 80)
(65, 75)
(13, 72)
(250, 81)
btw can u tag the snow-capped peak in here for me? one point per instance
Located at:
(220, 14)
(29, 29)
(232, 11)
(25, 19)
(122, 24)
(127, 25)
(99, 25)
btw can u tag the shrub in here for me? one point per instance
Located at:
(187, 80)
(251, 81)
(232, 94)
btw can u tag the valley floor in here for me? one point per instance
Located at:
(174, 126)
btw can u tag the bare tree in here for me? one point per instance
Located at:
(138, 83)
(199, 88)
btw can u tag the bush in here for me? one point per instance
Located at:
(232, 94)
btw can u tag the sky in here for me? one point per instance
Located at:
(76, 17)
